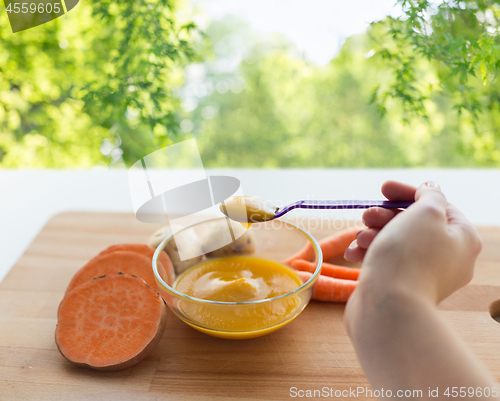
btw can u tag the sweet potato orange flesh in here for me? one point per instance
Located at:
(143, 249)
(110, 323)
(114, 262)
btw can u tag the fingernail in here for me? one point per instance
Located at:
(432, 184)
(353, 244)
(359, 232)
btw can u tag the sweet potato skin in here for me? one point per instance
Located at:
(114, 262)
(143, 249)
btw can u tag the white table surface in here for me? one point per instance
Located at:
(28, 199)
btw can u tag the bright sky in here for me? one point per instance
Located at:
(318, 27)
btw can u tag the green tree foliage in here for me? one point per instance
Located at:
(93, 86)
(461, 39)
(295, 114)
(104, 84)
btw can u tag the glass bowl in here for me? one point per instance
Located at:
(274, 240)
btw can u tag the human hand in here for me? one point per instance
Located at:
(412, 260)
(429, 249)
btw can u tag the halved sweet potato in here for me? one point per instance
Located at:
(143, 249)
(110, 323)
(114, 262)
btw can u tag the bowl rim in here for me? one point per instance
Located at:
(304, 286)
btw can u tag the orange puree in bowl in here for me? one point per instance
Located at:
(239, 279)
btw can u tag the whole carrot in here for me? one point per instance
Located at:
(306, 253)
(327, 269)
(331, 246)
(330, 289)
(336, 244)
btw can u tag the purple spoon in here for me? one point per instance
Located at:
(341, 204)
(253, 210)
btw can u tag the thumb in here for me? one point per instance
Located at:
(433, 202)
(430, 197)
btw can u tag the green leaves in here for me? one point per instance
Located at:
(114, 66)
(99, 86)
(460, 38)
(375, 105)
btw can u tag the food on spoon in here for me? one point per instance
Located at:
(143, 249)
(239, 279)
(114, 262)
(248, 209)
(110, 323)
(332, 246)
(327, 269)
(330, 289)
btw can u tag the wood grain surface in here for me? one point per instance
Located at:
(311, 353)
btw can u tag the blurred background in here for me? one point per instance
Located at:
(261, 84)
(322, 99)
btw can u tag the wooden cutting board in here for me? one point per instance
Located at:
(311, 353)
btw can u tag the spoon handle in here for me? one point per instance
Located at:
(342, 204)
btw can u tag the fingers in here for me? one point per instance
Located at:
(357, 249)
(394, 190)
(431, 190)
(365, 237)
(378, 217)
(431, 205)
(354, 253)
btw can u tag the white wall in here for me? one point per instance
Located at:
(28, 199)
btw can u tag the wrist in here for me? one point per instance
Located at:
(393, 279)
(373, 307)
